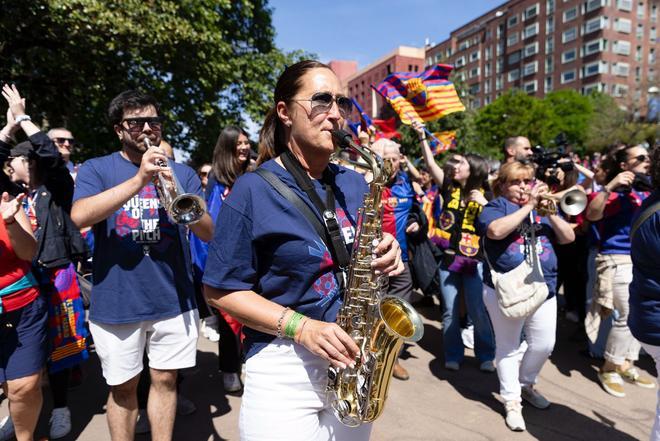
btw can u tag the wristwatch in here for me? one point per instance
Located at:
(21, 118)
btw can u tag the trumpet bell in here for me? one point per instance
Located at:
(574, 202)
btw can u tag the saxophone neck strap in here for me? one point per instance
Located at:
(330, 232)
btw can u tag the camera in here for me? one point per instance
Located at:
(549, 162)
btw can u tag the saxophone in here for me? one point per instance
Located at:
(379, 324)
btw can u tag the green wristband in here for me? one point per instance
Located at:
(292, 325)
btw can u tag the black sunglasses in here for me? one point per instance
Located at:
(640, 158)
(63, 140)
(322, 102)
(137, 124)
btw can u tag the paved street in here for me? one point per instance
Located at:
(433, 405)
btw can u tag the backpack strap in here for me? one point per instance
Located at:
(650, 210)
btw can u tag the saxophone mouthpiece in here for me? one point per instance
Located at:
(342, 138)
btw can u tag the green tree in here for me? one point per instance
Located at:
(208, 62)
(571, 114)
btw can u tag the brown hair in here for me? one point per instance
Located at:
(271, 138)
(509, 172)
(226, 167)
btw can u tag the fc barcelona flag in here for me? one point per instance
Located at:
(443, 141)
(421, 97)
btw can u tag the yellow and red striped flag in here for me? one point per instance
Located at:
(421, 97)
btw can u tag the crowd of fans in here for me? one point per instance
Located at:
(454, 227)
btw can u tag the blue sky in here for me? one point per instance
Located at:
(365, 30)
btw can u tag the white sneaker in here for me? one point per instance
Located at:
(184, 406)
(60, 422)
(212, 334)
(514, 418)
(6, 429)
(534, 398)
(231, 382)
(467, 335)
(142, 425)
(210, 326)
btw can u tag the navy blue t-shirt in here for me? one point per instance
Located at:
(264, 244)
(508, 253)
(644, 316)
(141, 264)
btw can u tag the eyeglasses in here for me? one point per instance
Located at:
(63, 140)
(136, 125)
(639, 158)
(322, 102)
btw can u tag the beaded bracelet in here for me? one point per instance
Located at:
(292, 325)
(279, 322)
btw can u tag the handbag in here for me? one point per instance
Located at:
(521, 291)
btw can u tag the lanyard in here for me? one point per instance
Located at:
(333, 238)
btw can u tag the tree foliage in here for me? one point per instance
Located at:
(208, 62)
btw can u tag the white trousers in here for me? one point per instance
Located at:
(516, 368)
(621, 345)
(285, 398)
(654, 351)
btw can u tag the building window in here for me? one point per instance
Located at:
(532, 11)
(438, 57)
(487, 100)
(389, 70)
(499, 66)
(569, 35)
(514, 57)
(488, 53)
(594, 4)
(498, 82)
(621, 47)
(619, 90)
(549, 65)
(475, 103)
(624, 5)
(570, 14)
(549, 45)
(592, 47)
(530, 87)
(654, 13)
(463, 45)
(548, 85)
(550, 6)
(549, 25)
(531, 68)
(594, 24)
(652, 35)
(569, 55)
(474, 72)
(623, 25)
(531, 30)
(638, 53)
(640, 10)
(514, 75)
(487, 87)
(567, 76)
(640, 31)
(589, 88)
(532, 49)
(474, 89)
(474, 56)
(594, 68)
(460, 61)
(512, 39)
(512, 21)
(487, 70)
(621, 69)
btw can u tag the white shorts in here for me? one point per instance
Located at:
(171, 344)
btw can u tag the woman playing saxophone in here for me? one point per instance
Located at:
(272, 271)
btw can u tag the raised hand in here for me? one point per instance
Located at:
(13, 97)
(10, 206)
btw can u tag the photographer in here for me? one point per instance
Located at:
(614, 208)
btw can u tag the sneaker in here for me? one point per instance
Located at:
(142, 426)
(612, 383)
(487, 366)
(6, 429)
(231, 382)
(514, 418)
(209, 324)
(531, 395)
(212, 334)
(467, 335)
(632, 375)
(399, 372)
(452, 365)
(184, 406)
(60, 422)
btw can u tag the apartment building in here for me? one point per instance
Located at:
(543, 45)
(402, 59)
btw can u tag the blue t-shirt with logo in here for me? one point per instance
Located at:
(141, 264)
(262, 243)
(614, 227)
(508, 253)
(397, 200)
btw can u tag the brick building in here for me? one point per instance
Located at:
(403, 59)
(544, 45)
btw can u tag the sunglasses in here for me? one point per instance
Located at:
(136, 125)
(63, 140)
(322, 102)
(639, 158)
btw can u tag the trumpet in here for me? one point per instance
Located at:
(182, 208)
(571, 203)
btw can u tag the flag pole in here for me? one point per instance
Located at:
(428, 133)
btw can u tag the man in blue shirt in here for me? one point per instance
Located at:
(143, 294)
